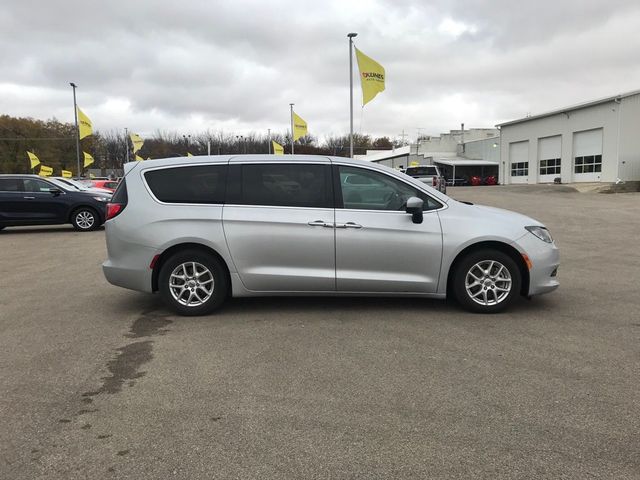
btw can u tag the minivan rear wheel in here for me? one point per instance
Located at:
(193, 282)
(486, 281)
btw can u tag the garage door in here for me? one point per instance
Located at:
(587, 155)
(549, 155)
(519, 161)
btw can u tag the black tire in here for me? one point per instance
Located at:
(85, 219)
(175, 294)
(487, 286)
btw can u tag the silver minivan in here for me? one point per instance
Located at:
(201, 229)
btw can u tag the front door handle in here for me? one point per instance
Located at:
(320, 223)
(30, 198)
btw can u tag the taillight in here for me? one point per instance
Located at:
(113, 209)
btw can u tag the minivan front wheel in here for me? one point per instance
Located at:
(193, 282)
(486, 281)
(85, 219)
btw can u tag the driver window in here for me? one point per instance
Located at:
(368, 190)
(34, 185)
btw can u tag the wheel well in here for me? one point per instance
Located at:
(184, 246)
(501, 247)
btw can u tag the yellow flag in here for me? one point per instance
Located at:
(67, 174)
(88, 159)
(35, 161)
(45, 171)
(372, 77)
(299, 127)
(189, 155)
(277, 148)
(84, 124)
(139, 158)
(137, 142)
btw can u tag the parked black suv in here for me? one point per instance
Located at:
(33, 200)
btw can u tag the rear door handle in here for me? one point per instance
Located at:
(348, 225)
(320, 223)
(30, 198)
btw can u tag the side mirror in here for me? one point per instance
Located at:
(55, 191)
(414, 207)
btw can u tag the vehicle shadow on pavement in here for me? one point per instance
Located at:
(148, 303)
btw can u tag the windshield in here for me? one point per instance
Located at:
(72, 183)
(61, 184)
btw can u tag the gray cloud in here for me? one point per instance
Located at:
(197, 65)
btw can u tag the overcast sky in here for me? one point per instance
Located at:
(235, 66)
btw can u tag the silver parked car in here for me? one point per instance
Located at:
(203, 229)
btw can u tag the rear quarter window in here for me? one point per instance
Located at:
(196, 184)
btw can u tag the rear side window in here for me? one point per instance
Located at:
(299, 185)
(10, 184)
(421, 171)
(198, 184)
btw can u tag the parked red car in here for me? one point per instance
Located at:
(106, 184)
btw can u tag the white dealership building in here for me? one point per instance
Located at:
(597, 141)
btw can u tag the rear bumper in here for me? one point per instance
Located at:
(132, 278)
(545, 259)
(128, 263)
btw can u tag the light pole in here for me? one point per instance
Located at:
(292, 134)
(187, 142)
(269, 141)
(75, 115)
(350, 36)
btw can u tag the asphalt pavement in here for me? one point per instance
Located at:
(101, 382)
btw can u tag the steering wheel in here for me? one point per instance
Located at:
(394, 201)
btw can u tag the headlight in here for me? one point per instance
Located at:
(102, 199)
(541, 232)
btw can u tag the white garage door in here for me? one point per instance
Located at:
(587, 155)
(549, 155)
(519, 161)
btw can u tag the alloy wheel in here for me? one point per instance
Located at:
(191, 284)
(85, 219)
(488, 282)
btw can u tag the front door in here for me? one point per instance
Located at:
(38, 204)
(278, 222)
(378, 247)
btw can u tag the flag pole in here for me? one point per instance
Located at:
(350, 36)
(269, 141)
(292, 134)
(126, 142)
(75, 115)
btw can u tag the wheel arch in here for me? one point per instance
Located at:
(492, 245)
(186, 246)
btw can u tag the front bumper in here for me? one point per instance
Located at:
(545, 260)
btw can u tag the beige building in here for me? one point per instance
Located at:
(596, 141)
